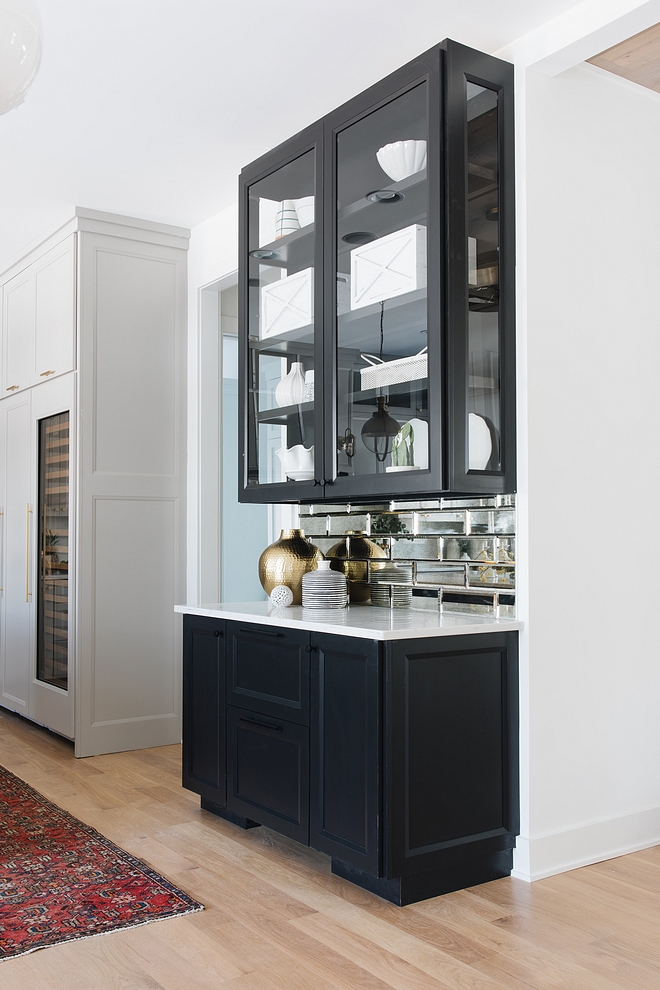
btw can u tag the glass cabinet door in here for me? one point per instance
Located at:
(282, 248)
(484, 416)
(480, 285)
(53, 526)
(382, 247)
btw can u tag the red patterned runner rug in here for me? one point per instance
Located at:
(61, 880)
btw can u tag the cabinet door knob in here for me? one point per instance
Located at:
(12, 388)
(217, 632)
(44, 374)
(310, 649)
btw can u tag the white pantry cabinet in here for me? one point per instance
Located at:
(92, 481)
(39, 318)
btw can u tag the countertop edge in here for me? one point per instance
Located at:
(452, 624)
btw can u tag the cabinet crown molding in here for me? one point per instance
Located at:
(80, 218)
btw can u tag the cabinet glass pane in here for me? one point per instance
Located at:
(53, 604)
(483, 279)
(281, 268)
(382, 217)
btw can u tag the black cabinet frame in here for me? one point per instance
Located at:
(445, 68)
(287, 491)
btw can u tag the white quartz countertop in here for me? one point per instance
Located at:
(363, 621)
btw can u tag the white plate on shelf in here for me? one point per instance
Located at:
(480, 443)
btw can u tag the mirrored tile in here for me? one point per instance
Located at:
(440, 522)
(415, 548)
(428, 572)
(314, 525)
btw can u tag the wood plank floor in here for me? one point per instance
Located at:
(276, 919)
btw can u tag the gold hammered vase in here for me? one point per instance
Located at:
(343, 554)
(286, 560)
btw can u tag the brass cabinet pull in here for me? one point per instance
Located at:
(12, 388)
(28, 512)
(45, 373)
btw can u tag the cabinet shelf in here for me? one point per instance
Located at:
(282, 414)
(281, 247)
(413, 195)
(298, 341)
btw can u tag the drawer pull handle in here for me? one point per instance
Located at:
(266, 725)
(12, 388)
(261, 632)
(44, 374)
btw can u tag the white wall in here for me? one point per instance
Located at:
(593, 344)
(213, 255)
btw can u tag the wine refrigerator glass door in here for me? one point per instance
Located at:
(53, 552)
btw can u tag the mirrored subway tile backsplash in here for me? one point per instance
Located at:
(458, 554)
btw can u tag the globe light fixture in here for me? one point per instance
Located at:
(20, 50)
(379, 431)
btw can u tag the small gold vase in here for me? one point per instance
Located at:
(355, 545)
(286, 560)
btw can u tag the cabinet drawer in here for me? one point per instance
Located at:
(268, 671)
(268, 778)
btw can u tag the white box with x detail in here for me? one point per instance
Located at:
(287, 304)
(389, 266)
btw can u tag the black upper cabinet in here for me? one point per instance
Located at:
(376, 293)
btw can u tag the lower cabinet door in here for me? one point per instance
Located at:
(345, 751)
(451, 755)
(204, 748)
(268, 771)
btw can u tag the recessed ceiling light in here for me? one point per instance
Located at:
(384, 196)
(359, 237)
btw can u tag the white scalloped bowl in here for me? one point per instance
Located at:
(402, 158)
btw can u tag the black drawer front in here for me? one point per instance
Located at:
(269, 670)
(268, 772)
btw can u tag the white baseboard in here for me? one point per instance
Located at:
(547, 855)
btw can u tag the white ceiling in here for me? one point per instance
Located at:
(150, 107)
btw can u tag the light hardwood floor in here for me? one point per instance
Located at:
(276, 919)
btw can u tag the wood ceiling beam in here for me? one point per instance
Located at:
(637, 58)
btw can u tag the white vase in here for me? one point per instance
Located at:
(286, 219)
(290, 390)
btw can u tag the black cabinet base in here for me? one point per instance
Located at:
(408, 890)
(230, 816)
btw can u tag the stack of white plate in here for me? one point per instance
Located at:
(324, 588)
(392, 594)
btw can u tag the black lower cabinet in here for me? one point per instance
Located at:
(451, 804)
(398, 759)
(268, 763)
(204, 706)
(345, 751)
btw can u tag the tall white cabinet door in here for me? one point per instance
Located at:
(53, 433)
(18, 332)
(55, 311)
(132, 475)
(17, 553)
